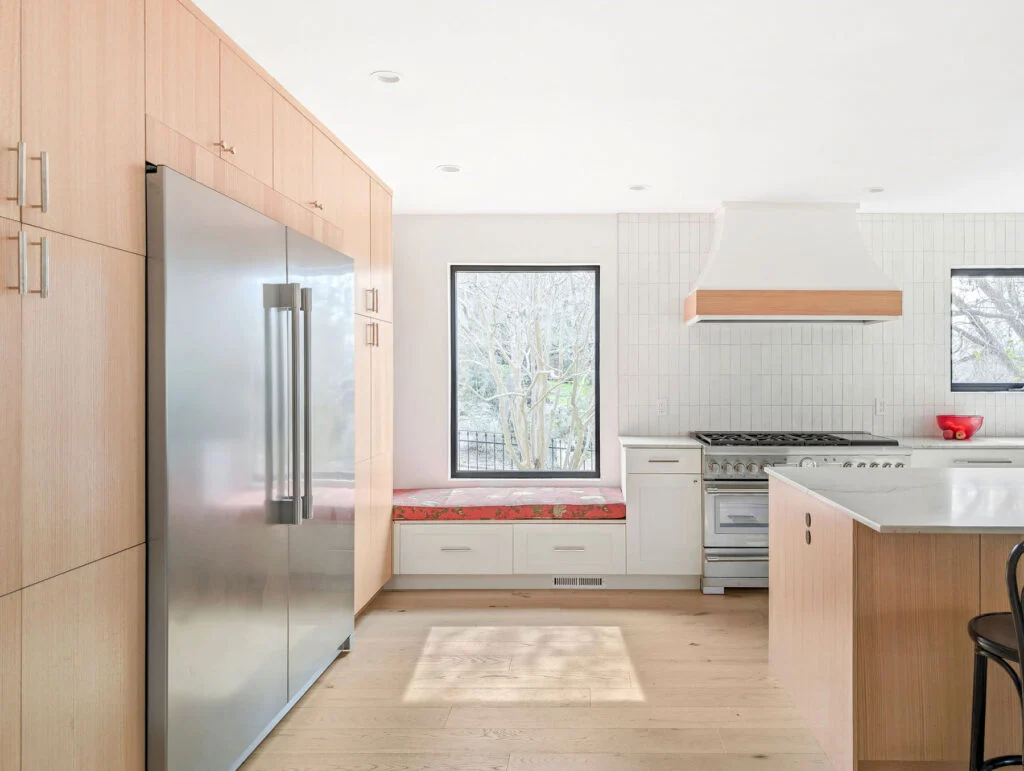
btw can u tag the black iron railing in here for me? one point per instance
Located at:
(487, 451)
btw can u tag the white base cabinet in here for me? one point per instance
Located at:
(575, 549)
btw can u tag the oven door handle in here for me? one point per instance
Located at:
(736, 558)
(712, 490)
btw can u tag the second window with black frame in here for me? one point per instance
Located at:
(987, 329)
(525, 358)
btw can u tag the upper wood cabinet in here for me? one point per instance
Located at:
(10, 106)
(83, 667)
(344, 189)
(246, 117)
(10, 412)
(10, 681)
(293, 153)
(182, 72)
(83, 406)
(381, 264)
(83, 105)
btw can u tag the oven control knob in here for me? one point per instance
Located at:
(713, 467)
(808, 463)
(751, 467)
(765, 465)
(727, 468)
(848, 464)
(862, 464)
(886, 465)
(899, 465)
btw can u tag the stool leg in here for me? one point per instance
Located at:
(978, 711)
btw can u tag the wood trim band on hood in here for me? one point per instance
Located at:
(792, 303)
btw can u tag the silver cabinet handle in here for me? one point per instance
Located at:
(570, 548)
(735, 558)
(307, 399)
(22, 172)
(44, 268)
(368, 300)
(663, 460)
(456, 548)
(369, 333)
(44, 181)
(376, 301)
(376, 334)
(982, 461)
(22, 262)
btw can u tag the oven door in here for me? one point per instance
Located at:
(736, 514)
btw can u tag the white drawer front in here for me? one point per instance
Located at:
(451, 549)
(970, 457)
(574, 549)
(666, 461)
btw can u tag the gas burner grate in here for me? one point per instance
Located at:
(769, 439)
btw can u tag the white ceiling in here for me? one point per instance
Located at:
(560, 105)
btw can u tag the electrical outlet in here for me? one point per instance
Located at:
(662, 408)
(879, 407)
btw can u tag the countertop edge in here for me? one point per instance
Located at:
(775, 474)
(653, 442)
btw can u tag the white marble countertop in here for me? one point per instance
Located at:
(681, 442)
(978, 443)
(926, 500)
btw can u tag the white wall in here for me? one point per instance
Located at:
(424, 247)
(675, 378)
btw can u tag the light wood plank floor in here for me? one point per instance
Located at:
(549, 681)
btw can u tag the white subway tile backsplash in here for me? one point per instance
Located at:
(802, 376)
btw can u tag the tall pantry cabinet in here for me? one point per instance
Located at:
(72, 442)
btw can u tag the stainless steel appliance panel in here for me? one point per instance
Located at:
(218, 572)
(320, 551)
(736, 514)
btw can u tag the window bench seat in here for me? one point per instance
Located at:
(472, 504)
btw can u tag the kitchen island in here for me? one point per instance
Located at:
(874, 575)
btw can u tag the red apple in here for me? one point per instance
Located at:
(947, 434)
(961, 434)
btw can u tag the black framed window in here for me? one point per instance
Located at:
(987, 329)
(525, 358)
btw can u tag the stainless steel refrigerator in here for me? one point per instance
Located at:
(251, 469)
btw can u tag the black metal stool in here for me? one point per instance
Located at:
(998, 637)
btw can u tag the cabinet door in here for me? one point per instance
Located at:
(83, 102)
(663, 524)
(293, 152)
(83, 671)
(83, 416)
(344, 190)
(246, 117)
(381, 496)
(10, 106)
(10, 681)
(364, 387)
(383, 387)
(380, 250)
(182, 72)
(365, 566)
(10, 411)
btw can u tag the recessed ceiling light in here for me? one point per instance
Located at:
(449, 168)
(386, 76)
(876, 189)
(639, 188)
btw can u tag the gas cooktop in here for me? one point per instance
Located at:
(792, 439)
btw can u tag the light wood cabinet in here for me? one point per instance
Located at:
(344, 189)
(381, 261)
(10, 410)
(293, 153)
(182, 72)
(366, 569)
(83, 104)
(364, 349)
(246, 117)
(83, 668)
(383, 386)
(380, 556)
(10, 681)
(10, 105)
(83, 406)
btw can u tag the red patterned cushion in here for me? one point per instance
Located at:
(476, 503)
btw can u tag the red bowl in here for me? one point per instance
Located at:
(966, 425)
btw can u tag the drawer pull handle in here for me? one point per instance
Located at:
(663, 460)
(570, 548)
(982, 461)
(456, 548)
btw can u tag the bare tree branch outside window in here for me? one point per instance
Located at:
(987, 320)
(524, 350)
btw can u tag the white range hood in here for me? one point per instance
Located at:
(791, 262)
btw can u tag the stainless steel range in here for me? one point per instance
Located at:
(736, 491)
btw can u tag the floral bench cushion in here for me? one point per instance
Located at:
(513, 503)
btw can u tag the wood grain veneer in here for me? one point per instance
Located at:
(365, 570)
(246, 117)
(10, 681)
(83, 420)
(10, 410)
(381, 258)
(10, 105)
(83, 667)
(383, 388)
(293, 152)
(785, 302)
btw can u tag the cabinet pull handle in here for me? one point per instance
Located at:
(376, 301)
(570, 548)
(44, 181)
(306, 295)
(982, 461)
(230, 149)
(317, 205)
(22, 172)
(369, 333)
(44, 268)
(663, 460)
(368, 300)
(456, 548)
(22, 263)
(376, 334)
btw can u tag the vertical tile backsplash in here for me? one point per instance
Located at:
(674, 378)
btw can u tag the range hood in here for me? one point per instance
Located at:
(791, 262)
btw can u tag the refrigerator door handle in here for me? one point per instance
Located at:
(287, 297)
(307, 399)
